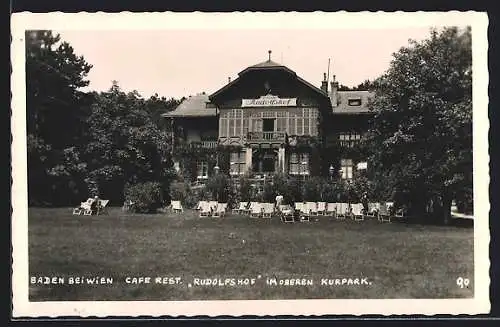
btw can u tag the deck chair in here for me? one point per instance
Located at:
(321, 209)
(400, 214)
(241, 208)
(286, 213)
(101, 207)
(312, 207)
(177, 206)
(373, 208)
(331, 209)
(298, 206)
(256, 210)
(383, 214)
(212, 204)
(357, 211)
(200, 204)
(267, 210)
(252, 204)
(341, 210)
(219, 210)
(205, 210)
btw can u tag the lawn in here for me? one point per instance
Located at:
(389, 260)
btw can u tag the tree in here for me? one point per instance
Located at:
(56, 110)
(125, 146)
(421, 136)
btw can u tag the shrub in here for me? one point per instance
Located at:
(222, 189)
(146, 197)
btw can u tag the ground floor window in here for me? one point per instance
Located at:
(299, 164)
(346, 166)
(237, 163)
(202, 169)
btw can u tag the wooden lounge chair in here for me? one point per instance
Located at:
(177, 206)
(205, 210)
(384, 214)
(241, 208)
(342, 210)
(357, 211)
(298, 206)
(331, 209)
(256, 210)
(373, 209)
(200, 204)
(101, 207)
(287, 214)
(321, 209)
(267, 210)
(252, 204)
(212, 205)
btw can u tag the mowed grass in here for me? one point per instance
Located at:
(398, 260)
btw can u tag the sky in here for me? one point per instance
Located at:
(183, 62)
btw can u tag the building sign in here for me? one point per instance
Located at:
(269, 101)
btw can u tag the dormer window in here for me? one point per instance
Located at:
(354, 102)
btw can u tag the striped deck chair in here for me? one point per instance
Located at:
(177, 206)
(357, 211)
(384, 214)
(321, 208)
(267, 210)
(205, 210)
(331, 209)
(252, 204)
(312, 207)
(256, 210)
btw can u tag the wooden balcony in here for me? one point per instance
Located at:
(266, 136)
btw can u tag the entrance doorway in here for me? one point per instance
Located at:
(264, 161)
(268, 125)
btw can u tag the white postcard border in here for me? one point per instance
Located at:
(20, 22)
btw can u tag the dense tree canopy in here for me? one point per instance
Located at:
(80, 143)
(421, 136)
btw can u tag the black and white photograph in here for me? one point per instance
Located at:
(250, 163)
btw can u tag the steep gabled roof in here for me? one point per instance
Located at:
(268, 65)
(193, 106)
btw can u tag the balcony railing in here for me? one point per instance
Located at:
(266, 136)
(204, 144)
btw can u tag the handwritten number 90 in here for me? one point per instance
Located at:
(463, 282)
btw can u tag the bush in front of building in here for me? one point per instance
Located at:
(145, 197)
(222, 189)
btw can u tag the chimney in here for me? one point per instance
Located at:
(324, 84)
(333, 92)
(229, 79)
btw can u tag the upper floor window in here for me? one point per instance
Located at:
(354, 102)
(348, 140)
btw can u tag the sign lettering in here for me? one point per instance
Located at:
(269, 101)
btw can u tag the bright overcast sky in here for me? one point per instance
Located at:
(177, 63)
